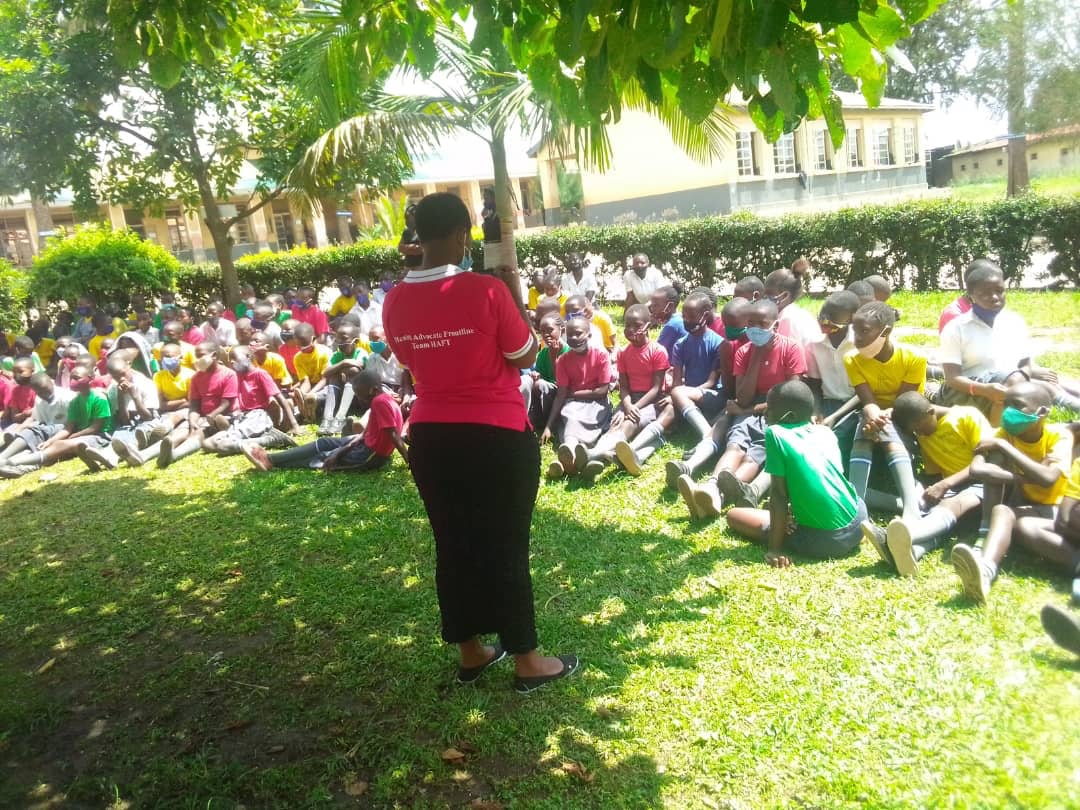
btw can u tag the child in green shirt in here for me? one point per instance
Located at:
(552, 347)
(813, 509)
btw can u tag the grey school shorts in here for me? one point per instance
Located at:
(825, 544)
(748, 434)
(36, 434)
(712, 403)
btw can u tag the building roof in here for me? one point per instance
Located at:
(1002, 141)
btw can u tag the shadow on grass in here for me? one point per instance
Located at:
(273, 640)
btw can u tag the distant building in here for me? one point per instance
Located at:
(652, 179)
(1051, 152)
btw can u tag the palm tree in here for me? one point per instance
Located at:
(476, 92)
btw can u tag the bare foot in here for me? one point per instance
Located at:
(475, 654)
(533, 665)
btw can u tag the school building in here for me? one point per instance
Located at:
(1052, 152)
(651, 179)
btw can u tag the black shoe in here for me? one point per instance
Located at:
(472, 674)
(525, 685)
(1062, 627)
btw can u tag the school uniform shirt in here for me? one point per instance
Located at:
(310, 365)
(455, 332)
(885, 379)
(342, 305)
(534, 298)
(825, 362)
(187, 354)
(314, 316)
(17, 397)
(194, 335)
(383, 413)
(696, 355)
(94, 346)
(978, 348)
(369, 318)
(958, 307)
(643, 288)
(639, 363)
(87, 406)
(144, 385)
(561, 299)
(602, 321)
(172, 387)
(274, 365)
(671, 332)
(578, 372)
(1055, 445)
(83, 329)
(46, 348)
(211, 387)
(288, 352)
(224, 334)
(571, 286)
(807, 457)
(255, 390)
(53, 411)
(545, 363)
(338, 356)
(388, 368)
(1072, 486)
(799, 325)
(784, 360)
(951, 447)
(151, 335)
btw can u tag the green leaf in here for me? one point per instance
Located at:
(165, 69)
(767, 117)
(651, 84)
(830, 13)
(721, 21)
(772, 18)
(697, 94)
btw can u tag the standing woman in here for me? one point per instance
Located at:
(463, 338)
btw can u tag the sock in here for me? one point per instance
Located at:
(346, 402)
(929, 529)
(651, 436)
(331, 402)
(882, 501)
(859, 467)
(696, 419)
(703, 451)
(900, 467)
(17, 446)
(27, 459)
(991, 569)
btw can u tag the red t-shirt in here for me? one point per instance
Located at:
(194, 336)
(455, 331)
(313, 315)
(384, 413)
(640, 363)
(255, 390)
(211, 387)
(577, 372)
(288, 352)
(717, 326)
(953, 310)
(17, 397)
(785, 359)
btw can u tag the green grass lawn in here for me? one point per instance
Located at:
(988, 190)
(207, 637)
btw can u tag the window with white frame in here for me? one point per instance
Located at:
(178, 235)
(784, 161)
(854, 148)
(883, 155)
(241, 231)
(911, 151)
(822, 158)
(744, 153)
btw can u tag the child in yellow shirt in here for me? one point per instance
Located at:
(1024, 470)
(310, 362)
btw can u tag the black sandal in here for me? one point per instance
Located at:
(472, 674)
(524, 686)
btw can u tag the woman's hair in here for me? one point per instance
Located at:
(553, 318)
(439, 215)
(878, 312)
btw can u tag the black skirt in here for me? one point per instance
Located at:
(479, 484)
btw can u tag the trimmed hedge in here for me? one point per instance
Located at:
(922, 245)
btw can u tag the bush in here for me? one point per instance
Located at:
(919, 245)
(109, 266)
(14, 293)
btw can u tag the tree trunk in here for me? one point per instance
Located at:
(504, 200)
(43, 221)
(1016, 98)
(223, 242)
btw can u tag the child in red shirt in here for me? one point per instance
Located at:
(255, 391)
(581, 411)
(16, 396)
(369, 450)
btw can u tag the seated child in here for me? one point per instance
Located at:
(880, 371)
(309, 362)
(345, 301)
(733, 324)
(536, 292)
(694, 376)
(363, 452)
(813, 509)
(47, 418)
(262, 320)
(1024, 473)
(218, 328)
(580, 305)
(553, 290)
(16, 396)
(144, 325)
(255, 390)
(88, 422)
(663, 309)
(44, 346)
(1058, 540)
(751, 288)
(281, 312)
(366, 310)
(543, 378)
(289, 347)
(766, 360)
(244, 330)
(382, 361)
(172, 332)
(212, 395)
(948, 439)
(333, 388)
(103, 328)
(270, 362)
(581, 411)
(133, 400)
(172, 382)
(23, 346)
(825, 372)
(785, 289)
(192, 333)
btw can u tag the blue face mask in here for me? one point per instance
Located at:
(985, 315)
(170, 364)
(363, 301)
(249, 313)
(759, 336)
(258, 325)
(346, 292)
(378, 346)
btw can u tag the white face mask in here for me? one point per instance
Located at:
(873, 349)
(204, 362)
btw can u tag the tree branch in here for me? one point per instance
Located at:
(119, 127)
(266, 200)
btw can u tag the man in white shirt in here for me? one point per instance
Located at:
(642, 280)
(367, 310)
(217, 328)
(47, 417)
(825, 372)
(579, 280)
(783, 288)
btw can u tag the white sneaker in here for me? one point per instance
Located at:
(708, 499)
(628, 458)
(968, 563)
(565, 454)
(898, 538)
(685, 484)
